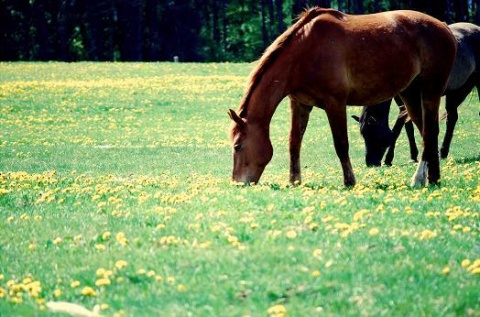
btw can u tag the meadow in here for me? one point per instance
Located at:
(115, 192)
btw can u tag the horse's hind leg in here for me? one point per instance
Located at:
(300, 115)
(423, 111)
(453, 101)
(337, 117)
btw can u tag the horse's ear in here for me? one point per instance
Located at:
(356, 118)
(234, 116)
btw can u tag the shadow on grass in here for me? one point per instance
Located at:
(467, 160)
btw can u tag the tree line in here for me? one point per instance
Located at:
(159, 30)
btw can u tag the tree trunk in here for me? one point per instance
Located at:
(279, 9)
(264, 25)
(130, 29)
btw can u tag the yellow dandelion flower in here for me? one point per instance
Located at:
(446, 270)
(171, 280)
(57, 293)
(88, 291)
(102, 282)
(106, 235)
(317, 253)
(141, 271)
(32, 246)
(75, 284)
(57, 240)
(373, 231)
(151, 273)
(100, 272)
(291, 234)
(316, 273)
(277, 311)
(2, 277)
(121, 264)
(466, 263)
(181, 288)
(427, 234)
(158, 278)
(121, 238)
(475, 271)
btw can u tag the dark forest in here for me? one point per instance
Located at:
(159, 30)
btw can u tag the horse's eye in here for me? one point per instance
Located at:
(237, 147)
(371, 121)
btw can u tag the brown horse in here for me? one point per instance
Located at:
(464, 76)
(330, 59)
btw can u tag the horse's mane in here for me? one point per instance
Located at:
(275, 49)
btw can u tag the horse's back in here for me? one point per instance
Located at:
(389, 49)
(468, 54)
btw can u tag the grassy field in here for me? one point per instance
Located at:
(115, 191)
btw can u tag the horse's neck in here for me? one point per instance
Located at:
(268, 93)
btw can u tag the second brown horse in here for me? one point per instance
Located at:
(330, 59)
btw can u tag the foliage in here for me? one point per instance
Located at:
(115, 192)
(192, 30)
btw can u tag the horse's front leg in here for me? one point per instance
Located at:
(397, 128)
(337, 117)
(300, 115)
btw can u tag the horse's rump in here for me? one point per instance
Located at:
(372, 57)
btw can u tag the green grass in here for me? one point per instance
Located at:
(101, 163)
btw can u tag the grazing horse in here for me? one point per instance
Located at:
(463, 77)
(329, 59)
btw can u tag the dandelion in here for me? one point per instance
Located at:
(121, 264)
(75, 284)
(171, 280)
(88, 291)
(291, 234)
(57, 293)
(181, 288)
(446, 270)
(427, 234)
(466, 263)
(102, 282)
(158, 278)
(121, 238)
(373, 231)
(317, 253)
(100, 246)
(316, 273)
(106, 235)
(57, 240)
(277, 311)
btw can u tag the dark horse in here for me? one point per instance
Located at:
(463, 77)
(330, 59)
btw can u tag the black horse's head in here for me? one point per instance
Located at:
(375, 131)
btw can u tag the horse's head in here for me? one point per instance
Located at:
(376, 133)
(252, 149)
